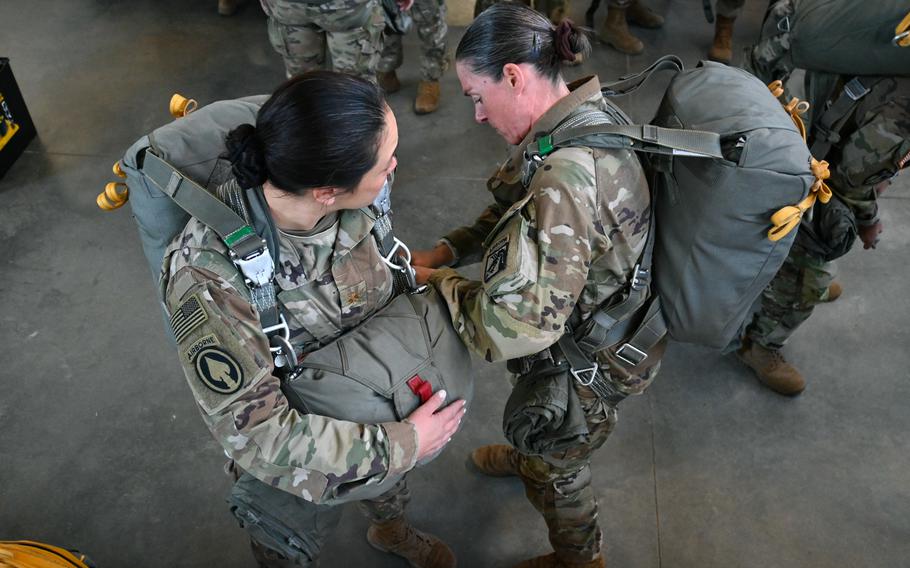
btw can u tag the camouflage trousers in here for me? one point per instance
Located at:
(287, 531)
(430, 21)
(730, 8)
(350, 31)
(556, 10)
(788, 301)
(559, 485)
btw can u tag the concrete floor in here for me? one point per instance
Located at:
(101, 446)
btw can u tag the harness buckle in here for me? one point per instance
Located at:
(280, 343)
(783, 25)
(855, 89)
(257, 267)
(585, 376)
(630, 355)
(640, 278)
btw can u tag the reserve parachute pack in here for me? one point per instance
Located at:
(845, 37)
(380, 371)
(731, 177)
(31, 554)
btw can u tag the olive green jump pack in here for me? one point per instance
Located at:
(724, 157)
(846, 37)
(380, 371)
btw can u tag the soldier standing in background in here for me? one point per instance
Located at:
(722, 48)
(859, 124)
(615, 29)
(304, 31)
(556, 244)
(430, 18)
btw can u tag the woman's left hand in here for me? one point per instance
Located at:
(422, 274)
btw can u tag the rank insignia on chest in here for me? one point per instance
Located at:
(187, 317)
(218, 370)
(496, 259)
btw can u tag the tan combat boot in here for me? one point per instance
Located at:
(641, 15)
(421, 550)
(834, 291)
(228, 7)
(722, 50)
(496, 460)
(615, 32)
(551, 561)
(427, 97)
(388, 81)
(772, 369)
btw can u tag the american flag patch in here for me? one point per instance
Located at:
(187, 317)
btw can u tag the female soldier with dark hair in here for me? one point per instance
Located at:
(557, 243)
(321, 152)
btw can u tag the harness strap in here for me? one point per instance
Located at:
(249, 252)
(826, 130)
(640, 137)
(628, 84)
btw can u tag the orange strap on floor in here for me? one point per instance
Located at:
(902, 32)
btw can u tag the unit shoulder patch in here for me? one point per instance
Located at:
(190, 315)
(218, 370)
(496, 259)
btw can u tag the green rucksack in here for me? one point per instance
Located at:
(846, 37)
(380, 371)
(731, 178)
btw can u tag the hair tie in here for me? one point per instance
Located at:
(563, 40)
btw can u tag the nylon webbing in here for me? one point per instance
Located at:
(650, 139)
(198, 202)
(826, 131)
(630, 83)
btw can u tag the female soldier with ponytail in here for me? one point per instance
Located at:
(322, 150)
(557, 242)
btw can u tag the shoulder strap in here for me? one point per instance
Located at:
(252, 254)
(628, 84)
(826, 130)
(639, 137)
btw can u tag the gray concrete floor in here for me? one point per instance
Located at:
(101, 446)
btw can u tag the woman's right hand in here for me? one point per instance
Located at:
(435, 429)
(440, 255)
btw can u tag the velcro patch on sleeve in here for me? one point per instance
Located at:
(496, 259)
(187, 317)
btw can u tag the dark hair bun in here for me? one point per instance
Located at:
(569, 41)
(246, 157)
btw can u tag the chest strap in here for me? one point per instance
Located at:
(826, 130)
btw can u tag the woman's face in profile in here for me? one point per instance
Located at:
(494, 103)
(371, 183)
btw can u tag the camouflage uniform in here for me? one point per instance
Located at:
(351, 30)
(430, 19)
(567, 242)
(730, 8)
(330, 280)
(874, 146)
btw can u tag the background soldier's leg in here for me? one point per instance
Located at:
(722, 47)
(430, 20)
(301, 46)
(392, 53)
(730, 8)
(286, 531)
(388, 506)
(559, 487)
(355, 37)
(789, 299)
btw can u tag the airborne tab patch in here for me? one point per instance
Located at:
(218, 371)
(187, 317)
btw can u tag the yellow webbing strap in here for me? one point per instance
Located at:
(30, 554)
(902, 32)
(787, 218)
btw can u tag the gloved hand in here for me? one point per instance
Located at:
(869, 234)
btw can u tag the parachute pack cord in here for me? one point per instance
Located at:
(787, 218)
